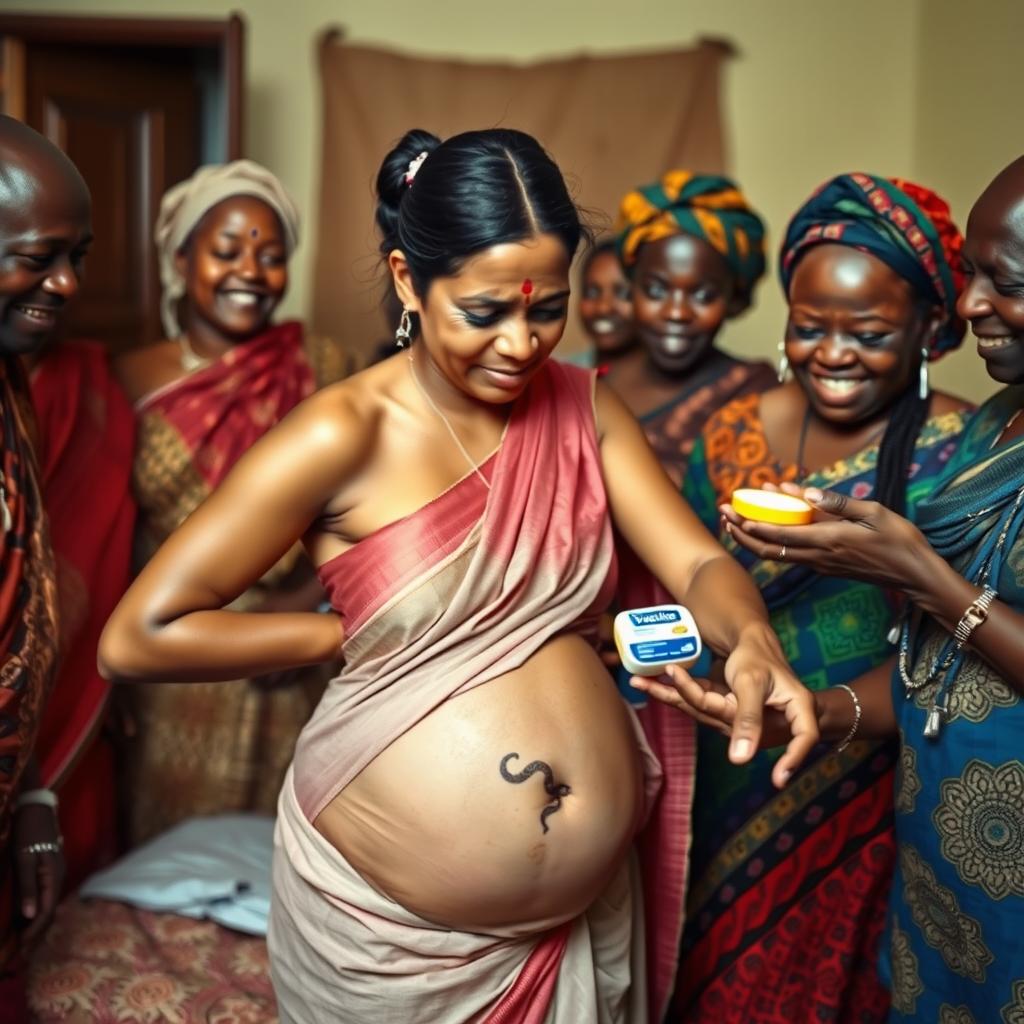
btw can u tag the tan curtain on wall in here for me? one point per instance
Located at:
(609, 122)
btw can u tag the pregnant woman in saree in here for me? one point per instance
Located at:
(454, 836)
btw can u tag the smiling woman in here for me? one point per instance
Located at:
(471, 784)
(693, 251)
(871, 270)
(606, 304)
(224, 375)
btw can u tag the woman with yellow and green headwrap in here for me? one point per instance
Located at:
(693, 250)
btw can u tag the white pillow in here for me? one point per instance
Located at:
(216, 867)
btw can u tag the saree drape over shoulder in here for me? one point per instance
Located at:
(86, 439)
(201, 748)
(462, 591)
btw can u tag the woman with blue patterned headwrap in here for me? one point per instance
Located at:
(953, 690)
(693, 250)
(789, 889)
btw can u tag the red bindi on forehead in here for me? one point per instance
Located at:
(527, 289)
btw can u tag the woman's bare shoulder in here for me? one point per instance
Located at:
(341, 422)
(140, 371)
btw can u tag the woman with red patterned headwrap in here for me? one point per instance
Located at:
(789, 889)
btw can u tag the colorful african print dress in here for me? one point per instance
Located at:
(789, 888)
(673, 428)
(29, 624)
(956, 937)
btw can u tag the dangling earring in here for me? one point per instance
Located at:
(922, 380)
(783, 368)
(404, 332)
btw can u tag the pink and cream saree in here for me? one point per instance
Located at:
(456, 594)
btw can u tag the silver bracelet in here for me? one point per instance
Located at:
(848, 738)
(48, 846)
(45, 797)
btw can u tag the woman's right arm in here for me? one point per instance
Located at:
(712, 702)
(171, 624)
(863, 540)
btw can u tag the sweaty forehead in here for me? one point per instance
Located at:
(997, 218)
(840, 275)
(36, 195)
(682, 256)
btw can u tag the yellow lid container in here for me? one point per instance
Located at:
(771, 507)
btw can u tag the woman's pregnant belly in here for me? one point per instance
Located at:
(510, 806)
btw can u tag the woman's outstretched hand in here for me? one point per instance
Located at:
(851, 538)
(711, 702)
(759, 702)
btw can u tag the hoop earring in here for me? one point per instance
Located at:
(403, 333)
(782, 370)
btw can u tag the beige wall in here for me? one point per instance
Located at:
(968, 122)
(819, 87)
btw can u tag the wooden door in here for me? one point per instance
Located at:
(130, 101)
(132, 127)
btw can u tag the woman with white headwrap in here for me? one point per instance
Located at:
(222, 377)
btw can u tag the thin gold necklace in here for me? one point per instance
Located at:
(444, 419)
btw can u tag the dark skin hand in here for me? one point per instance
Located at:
(365, 452)
(39, 876)
(710, 702)
(863, 540)
(854, 336)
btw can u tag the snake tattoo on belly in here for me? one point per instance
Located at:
(554, 789)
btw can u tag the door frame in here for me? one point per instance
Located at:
(225, 35)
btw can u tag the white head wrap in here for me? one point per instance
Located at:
(184, 205)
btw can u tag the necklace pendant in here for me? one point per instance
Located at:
(933, 723)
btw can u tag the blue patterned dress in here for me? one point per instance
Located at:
(956, 930)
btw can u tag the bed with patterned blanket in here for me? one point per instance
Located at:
(109, 963)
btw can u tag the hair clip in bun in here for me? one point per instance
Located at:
(414, 166)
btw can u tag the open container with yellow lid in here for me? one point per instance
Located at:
(771, 507)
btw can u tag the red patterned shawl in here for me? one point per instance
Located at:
(86, 439)
(28, 616)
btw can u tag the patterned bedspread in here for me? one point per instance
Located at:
(103, 963)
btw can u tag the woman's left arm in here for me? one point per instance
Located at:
(664, 532)
(865, 541)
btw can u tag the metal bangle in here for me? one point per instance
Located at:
(857, 711)
(47, 846)
(44, 797)
(974, 615)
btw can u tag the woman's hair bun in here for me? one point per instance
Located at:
(391, 184)
(473, 191)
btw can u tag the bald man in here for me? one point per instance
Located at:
(45, 230)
